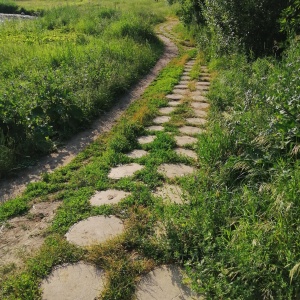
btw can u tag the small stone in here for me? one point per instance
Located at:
(186, 152)
(185, 140)
(137, 153)
(196, 121)
(175, 96)
(174, 103)
(94, 230)
(191, 130)
(124, 171)
(108, 197)
(78, 281)
(166, 110)
(175, 170)
(155, 128)
(161, 119)
(164, 283)
(146, 139)
(170, 193)
(200, 105)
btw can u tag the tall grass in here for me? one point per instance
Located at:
(60, 71)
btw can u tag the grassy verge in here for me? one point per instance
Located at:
(60, 71)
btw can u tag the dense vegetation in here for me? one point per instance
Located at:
(61, 70)
(241, 239)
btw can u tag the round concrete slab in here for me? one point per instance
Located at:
(186, 152)
(166, 110)
(185, 140)
(124, 171)
(203, 83)
(94, 230)
(73, 282)
(190, 130)
(186, 73)
(200, 113)
(200, 105)
(175, 96)
(180, 91)
(205, 78)
(196, 121)
(175, 170)
(137, 153)
(161, 119)
(170, 193)
(202, 88)
(146, 139)
(181, 86)
(108, 197)
(155, 128)
(164, 283)
(184, 82)
(174, 103)
(199, 98)
(185, 77)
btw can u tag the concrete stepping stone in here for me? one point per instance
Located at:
(170, 193)
(185, 77)
(186, 73)
(205, 74)
(205, 78)
(108, 197)
(200, 113)
(175, 170)
(202, 83)
(94, 230)
(164, 283)
(185, 140)
(137, 153)
(202, 88)
(146, 139)
(196, 121)
(184, 82)
(200, 105)
(180, 91)
(126, 170)
(174, 103)
(167, 110)
(175, 96)
(78, 281)
(191, 130)
(199, 98)
(161, 119)
(190, 63)
(155, 128)
(181, 86)
(186, 152)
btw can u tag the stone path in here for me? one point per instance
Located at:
(164, 282)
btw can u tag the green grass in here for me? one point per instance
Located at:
(60, 71)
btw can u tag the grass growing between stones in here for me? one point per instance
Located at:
(138, 250)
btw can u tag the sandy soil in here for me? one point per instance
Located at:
(12, 187)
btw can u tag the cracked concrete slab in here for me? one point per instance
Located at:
(171, 193)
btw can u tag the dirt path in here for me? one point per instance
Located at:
(12, 187)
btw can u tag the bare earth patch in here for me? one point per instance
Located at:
(21, 236)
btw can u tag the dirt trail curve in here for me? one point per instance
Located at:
(12, 187)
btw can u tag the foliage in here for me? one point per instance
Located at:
(290, 19)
